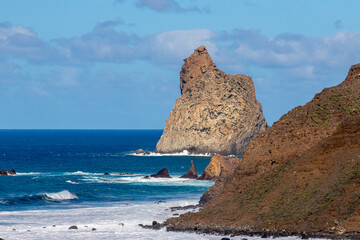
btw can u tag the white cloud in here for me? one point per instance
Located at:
(172, 46)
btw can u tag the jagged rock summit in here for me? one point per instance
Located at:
(192, 173)
(216, 112)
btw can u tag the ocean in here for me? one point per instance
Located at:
(61, 182)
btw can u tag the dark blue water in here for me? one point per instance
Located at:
(65, 168)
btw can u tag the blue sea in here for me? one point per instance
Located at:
(61, 182)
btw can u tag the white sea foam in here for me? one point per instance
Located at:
(183, 153)
(81, 173)
(106, 219)
(28, 173)
(63, 195)
(69, 181)
(174, 181)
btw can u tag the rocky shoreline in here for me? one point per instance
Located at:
(234, 231)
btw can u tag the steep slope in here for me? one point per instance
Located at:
(300, 175)
(216, 112)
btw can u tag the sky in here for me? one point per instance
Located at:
(114, 64)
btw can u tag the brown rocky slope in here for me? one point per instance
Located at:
(300, 175)
(216, 112)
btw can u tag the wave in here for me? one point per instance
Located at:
(69, 181)
(82, 173)
(183, 153)
(174, 181)
(63, 195)
(27, 199)
(27, 173)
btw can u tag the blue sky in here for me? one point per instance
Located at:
(114, 64)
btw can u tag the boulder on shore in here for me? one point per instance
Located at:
(163, 173)
(192, 173)
(8, 172)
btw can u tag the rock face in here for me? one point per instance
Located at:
(7, 172)
(192, 173)
(300, 175)
(216, 112)
(220, 169)
(218, 165)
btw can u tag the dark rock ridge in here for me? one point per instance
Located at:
(216, 112)
(7, 172)
(302, 175)
(163, 173)
(192, 173)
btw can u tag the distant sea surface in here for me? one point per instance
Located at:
(61, 182)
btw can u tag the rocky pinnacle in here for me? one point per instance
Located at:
(216, 112)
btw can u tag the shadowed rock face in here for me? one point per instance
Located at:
(301, 174)
(192, 173)
(216, 112)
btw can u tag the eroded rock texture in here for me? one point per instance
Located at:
(216, 112)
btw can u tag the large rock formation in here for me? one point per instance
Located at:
(216, 112)
(300, 175)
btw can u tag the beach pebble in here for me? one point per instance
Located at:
(73, 227)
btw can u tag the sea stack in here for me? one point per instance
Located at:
(216, 112)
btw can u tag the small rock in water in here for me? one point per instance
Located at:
(225, 239)
(14, 229)
(139, 151)
(147, 153)
(175, 214)
(106, 173)
(54, 225)
(154, 223)
(93, 229)
(158, 202)
(73, 227)
(44, 227)
(121, 224)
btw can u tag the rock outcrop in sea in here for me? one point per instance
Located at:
(192, 173)
(216, 112)
(301, 176)
(8, 172)
(163, 173)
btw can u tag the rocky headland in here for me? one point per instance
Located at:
(216, 112)
(300, 177)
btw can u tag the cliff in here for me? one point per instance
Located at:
(216, 112)
(300, 175)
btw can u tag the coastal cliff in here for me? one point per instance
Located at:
(216, 112)
(301, 176)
